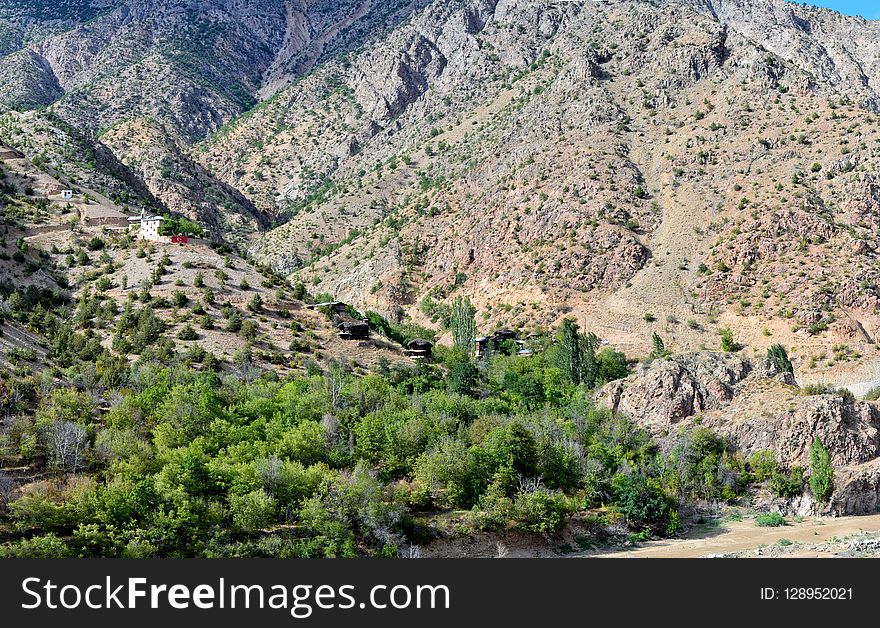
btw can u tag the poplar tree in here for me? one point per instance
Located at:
(821, 472)
(464, 325)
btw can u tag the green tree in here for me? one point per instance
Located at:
(464, 325)
(187, 333)
(779, 359)
(577, 354)
(643, 504)
(256, 304)
(728, 344)
(821, 472)
(569, 351)
(611, 366)
(659, 347)
(253, 511)
(234, 323)
(463, 376)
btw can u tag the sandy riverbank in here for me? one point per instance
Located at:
(812, 537)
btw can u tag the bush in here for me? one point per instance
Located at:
(771, 520)
(611, 366)
(727, 342)
(821, 472)
(642, 502)
(791, 485)
(187, 333)
(179, 298)
(763, 465)
(46, 546)
(873, 394)
(541, 511)
(252, 512)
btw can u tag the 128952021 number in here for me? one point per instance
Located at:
(818, 593)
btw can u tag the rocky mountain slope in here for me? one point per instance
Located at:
(706, 164)
(206, 300)
(680, 167)
(134, 74)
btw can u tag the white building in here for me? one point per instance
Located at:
(146, 226)
(66, 194)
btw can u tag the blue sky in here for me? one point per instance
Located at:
(866, 8)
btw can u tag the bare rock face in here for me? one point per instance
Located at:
(856, 490)
(848, 429)
(667, 391)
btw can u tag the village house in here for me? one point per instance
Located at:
(487, 344)
(146, 226)
(351, 329)
(420, 349)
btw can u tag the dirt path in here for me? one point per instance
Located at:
(741, 536)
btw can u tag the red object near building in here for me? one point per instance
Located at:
(179, 239)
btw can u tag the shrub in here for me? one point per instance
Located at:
(659, 347)
(821, 472)
(252, 512)
(779, 359)
(763, 465)
(46, 546)
(187, 333)
(179, 298)
(771, 520)
(541, 511)
(790, 485)
(642, 502)
(727, 342)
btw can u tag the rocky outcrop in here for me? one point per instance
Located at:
(856, 490)
(666, 391)
(757, 409)
(848, 428)
(28, 81)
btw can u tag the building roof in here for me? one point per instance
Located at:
(420, 343)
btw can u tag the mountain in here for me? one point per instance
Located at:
(704, 164)
(673, 177)
(166, 74)
(681, 167)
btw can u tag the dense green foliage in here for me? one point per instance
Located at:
(179, 225)
(821, 472)
(176, 455)
(172, 461)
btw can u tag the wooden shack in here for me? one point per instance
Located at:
(420, 349)
(486, 344)
(505, 334)
(351, 329)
